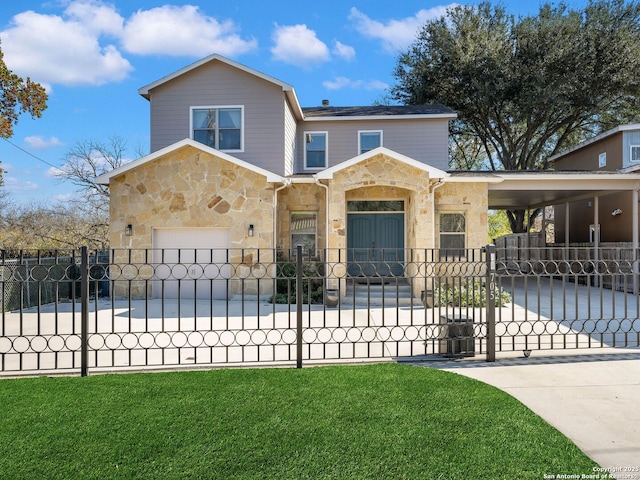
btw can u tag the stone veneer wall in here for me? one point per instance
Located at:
(381, 178)
(190, 188)
(471, 199)
(301, 197)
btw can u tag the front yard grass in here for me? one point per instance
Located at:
(384, 421)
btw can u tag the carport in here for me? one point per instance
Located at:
(509, 190)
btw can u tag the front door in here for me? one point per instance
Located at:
(375, 243)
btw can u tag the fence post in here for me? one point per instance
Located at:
(299, 292)
(490, 286)
(84, 311)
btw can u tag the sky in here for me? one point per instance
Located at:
(92, 56)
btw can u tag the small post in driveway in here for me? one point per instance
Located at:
(299, 306)
(490, 286)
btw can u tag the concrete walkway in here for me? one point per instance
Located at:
(591, 396)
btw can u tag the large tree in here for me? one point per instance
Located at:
(527, 87)
(86, 160)
(17, 96)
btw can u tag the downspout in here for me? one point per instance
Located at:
(287, 182)
(432, 189)
(326, 213)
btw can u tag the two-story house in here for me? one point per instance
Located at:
(601, 218)
(237, 163)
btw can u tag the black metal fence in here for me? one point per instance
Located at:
(76, 312)
(568, 296)
(132, 309)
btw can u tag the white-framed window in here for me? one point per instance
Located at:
(453, 234)
(219, 127)
(368, 140)
(315, 150)
(635, 154)
(304, 232)
(602, 160)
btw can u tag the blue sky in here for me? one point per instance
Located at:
(93, 56)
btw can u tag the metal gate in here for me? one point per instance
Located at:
(76, 312)
(568, 298)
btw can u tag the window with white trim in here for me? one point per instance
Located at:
(635, 154)
(304, 231)
(453, 229)
(368, 140)
(219, 127)
(602, 160)
(315, 150)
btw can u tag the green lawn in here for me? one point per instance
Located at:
(383, 421)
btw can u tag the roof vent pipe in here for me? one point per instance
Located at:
(325, 103)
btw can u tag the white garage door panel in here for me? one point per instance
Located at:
(195, 256)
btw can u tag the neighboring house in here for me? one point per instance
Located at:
(612, 214)
(236, 163)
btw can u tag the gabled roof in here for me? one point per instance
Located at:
(286, 87)
(378, 112)
(187, 142)
(433, 172)
(597, 138)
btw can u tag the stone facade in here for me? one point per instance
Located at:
(472, 199)
(300, 197)
(190, 188)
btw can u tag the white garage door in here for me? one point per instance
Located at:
(190, 262)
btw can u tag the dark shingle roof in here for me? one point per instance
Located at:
(377, 111)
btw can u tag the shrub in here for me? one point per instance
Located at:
(468, 294)
(312, 280)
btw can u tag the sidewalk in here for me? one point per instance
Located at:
(591, 396)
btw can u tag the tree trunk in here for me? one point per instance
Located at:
(517, 221)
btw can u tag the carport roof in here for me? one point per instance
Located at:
(534, 189)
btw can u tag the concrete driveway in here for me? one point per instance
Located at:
(591, 396)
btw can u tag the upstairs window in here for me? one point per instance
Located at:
(635, 153)
(602, 160)
(453, 228)
(315, 151)
(368, 140)
(218, 127)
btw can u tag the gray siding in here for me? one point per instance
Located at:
(425, 140)
(289, 140)
(629, 138)
(219, 84)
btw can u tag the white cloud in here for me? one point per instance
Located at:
(173, 30)
(84, 44)
(53, 172)
(65, 49)
(396, 35)
(343, 82)
(65, 197)
(298, 45)
(39, 142)
(96, 16)
(337, 84)
(343, 51)
(14, 185)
